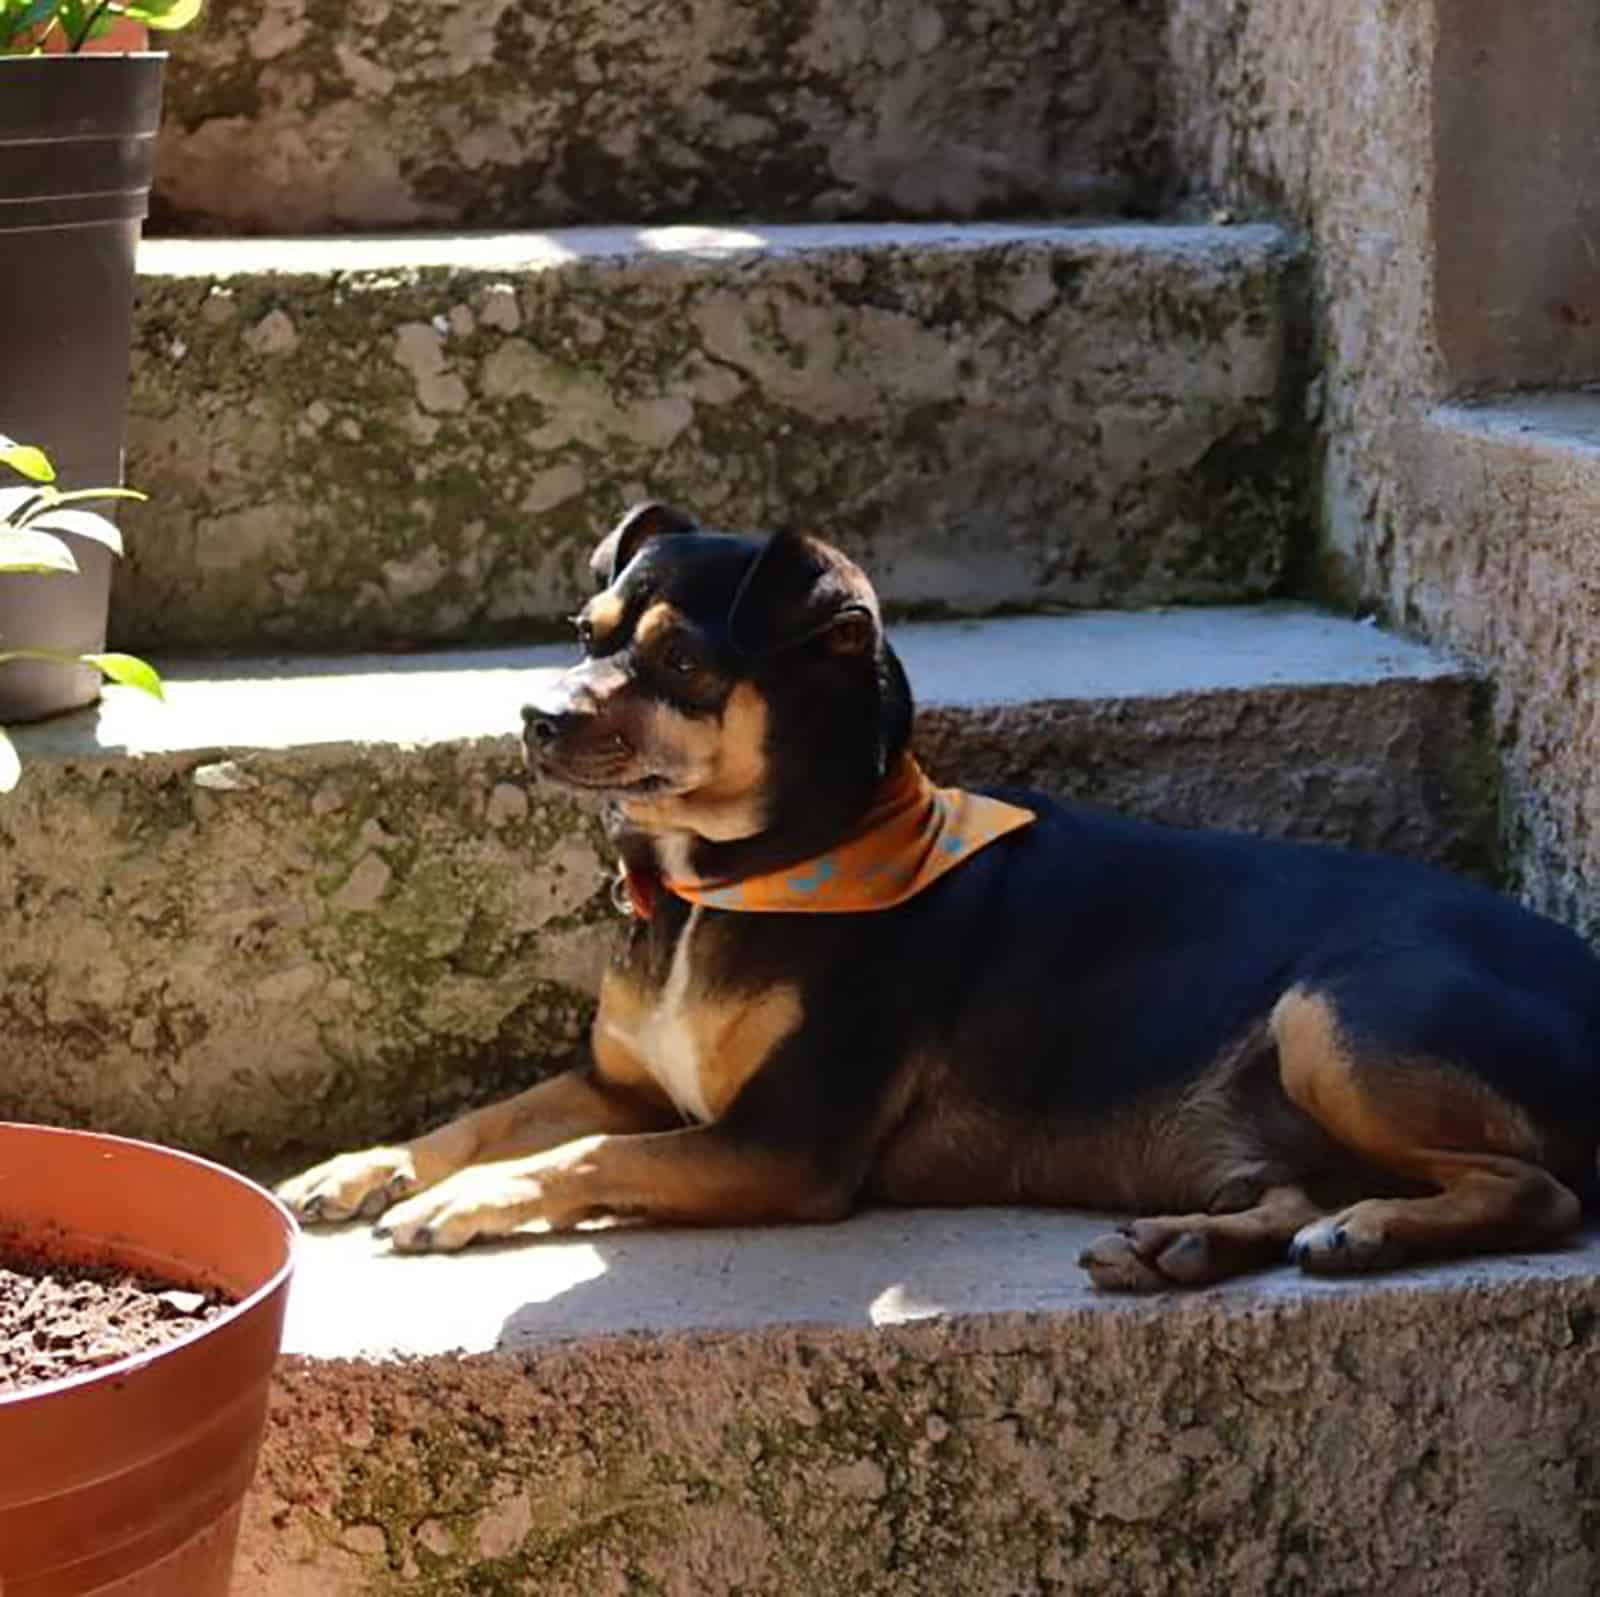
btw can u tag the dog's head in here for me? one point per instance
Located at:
(729, 685)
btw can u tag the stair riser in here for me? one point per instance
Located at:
(287, 118)
(1435, 1442)
(349, 941)
(352, 459)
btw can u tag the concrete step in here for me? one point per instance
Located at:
(284, 117)
(349, 442)
(310, 902)
(919, 1402)
(1503, 563)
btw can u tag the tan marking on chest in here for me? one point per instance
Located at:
(698, 1049)
(734, 1038)
(625, 1006)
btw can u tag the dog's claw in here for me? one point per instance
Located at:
(1343, 1245)
(352, 1186)
(381, 1199)
(1113, 1265)
(1186, 1260)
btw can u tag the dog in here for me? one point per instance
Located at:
(836, 984)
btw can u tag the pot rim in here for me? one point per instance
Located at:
(134, 1363)
(90, 55)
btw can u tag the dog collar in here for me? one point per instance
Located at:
(913, 834)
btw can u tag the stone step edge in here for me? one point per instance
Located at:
(541, 250)
(883, 1267)
(986, 424)
(286, 702)
(1220, 1444)
(1553, 423)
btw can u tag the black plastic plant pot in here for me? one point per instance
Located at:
(77, 144)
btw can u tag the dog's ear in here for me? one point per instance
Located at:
(642, 523)
(798, 589)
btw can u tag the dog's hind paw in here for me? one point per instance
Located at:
(1114, 1264)
(1352, 1243)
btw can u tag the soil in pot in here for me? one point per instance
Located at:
(59, 1318)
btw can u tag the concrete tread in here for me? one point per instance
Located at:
(541, 250)
(444, 696)
(354, 1298)
(1560, 421)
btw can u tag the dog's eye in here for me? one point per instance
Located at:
(679, 660)
(585, 633)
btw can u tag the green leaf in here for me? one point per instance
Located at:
(23, 507)
(164, 14)
(10, 765)
(33, 551)
(99, 493)
(85, 523)
(14, 501)
(128, 671)
(75, 17)
(31, 462)
(121, 668)
(25, 20)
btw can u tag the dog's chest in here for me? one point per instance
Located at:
(668, 1042)
(696, 1040)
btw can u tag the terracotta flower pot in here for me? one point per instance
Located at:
(128, 1481)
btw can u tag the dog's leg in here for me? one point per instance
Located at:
(1428, 1123)
(1486, 1205)
(1194, 1249)
(698, 1175)
(575, 1104)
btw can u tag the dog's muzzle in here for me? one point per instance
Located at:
(545, 729)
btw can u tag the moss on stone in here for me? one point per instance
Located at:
(1162, 1451)
(371, 457)
(507, 116)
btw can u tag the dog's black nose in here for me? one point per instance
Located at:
(541, 726)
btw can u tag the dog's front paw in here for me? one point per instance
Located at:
(352, 1186)
(479, 1203)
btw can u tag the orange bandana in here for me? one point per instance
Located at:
(911, 836)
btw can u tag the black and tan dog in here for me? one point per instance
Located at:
(1282, 1050)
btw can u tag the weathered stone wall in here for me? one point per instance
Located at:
(1516, 215)
(1335, 116)
(341, 940)
(296, 116)
(1437, 1443)
(347, 451)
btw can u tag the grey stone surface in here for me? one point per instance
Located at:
(311, 903)
(1501, 556)
(1516, 221)
(355, 1298)
(376, 441)
(1358, 125)
(1431, 1434)
(293, 116)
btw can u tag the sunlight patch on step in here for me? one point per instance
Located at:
(353, 1297)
